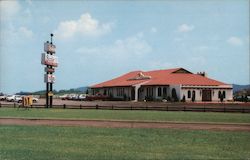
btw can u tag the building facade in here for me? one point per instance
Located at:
(171, 84)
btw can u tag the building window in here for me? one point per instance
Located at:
(120, 92)
(164, 91)
(219, 94)
(189, 94)
(224, 94)
(95, 91)
(174, 95)
(110, 92)
(193, 96)
(149, 92)
(105, 92)
(159, 91)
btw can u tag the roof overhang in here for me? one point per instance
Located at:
(206, 86)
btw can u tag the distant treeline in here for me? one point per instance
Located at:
(79, 90)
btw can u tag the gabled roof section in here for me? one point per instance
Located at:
(159, 77)
(120, 81)
(182, 70)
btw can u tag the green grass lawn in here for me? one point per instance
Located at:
(43, 142)
(127, 115)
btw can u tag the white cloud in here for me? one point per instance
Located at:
(131, 46)
(197, 61)
(201, 48)
(27, 12)
(45, 19)
(8, 9)
(247, 39)
(178, 39)
(185, 28)
(84, 26)
(235, 41)
(23, 31)
(153, 30)
(19, 34)
(29, 2)
(160, 65)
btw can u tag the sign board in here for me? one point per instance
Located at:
(27, 101)
(48, 47)
(50, 60)
(49, 78)
(50, 70)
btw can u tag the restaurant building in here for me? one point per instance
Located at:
(171, 84)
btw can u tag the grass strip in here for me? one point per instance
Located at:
(207, 117)
(73, 143)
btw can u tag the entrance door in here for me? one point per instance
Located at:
(206, 95)
(133, 93)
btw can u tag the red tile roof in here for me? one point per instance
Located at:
(160, 77)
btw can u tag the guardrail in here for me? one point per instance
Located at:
(185, 108)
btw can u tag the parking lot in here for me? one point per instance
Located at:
(59, 102)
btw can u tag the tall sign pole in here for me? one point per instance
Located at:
(50, 61)
(51, 84)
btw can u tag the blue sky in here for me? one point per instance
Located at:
(99, 40)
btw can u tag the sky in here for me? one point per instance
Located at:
(100, 40)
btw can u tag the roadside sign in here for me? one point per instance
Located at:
(50, 60)
(50, 70)
(49, 78)
(27, 101)
(48, 47)
(50, 94)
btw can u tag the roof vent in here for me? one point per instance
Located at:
(204, 74)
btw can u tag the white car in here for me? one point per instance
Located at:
(18, 99)
(3, 97)
(35, 100)
(72, 96)
(11, 98)
(82, 97)
(63, 97)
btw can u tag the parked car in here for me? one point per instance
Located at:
(72, 97)
(35, 100)
(18, 99)
(3, 97)
(10, 98)
(75, 97)
(97, 97)
(242, 98)
(64, 97)
(82, 97)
